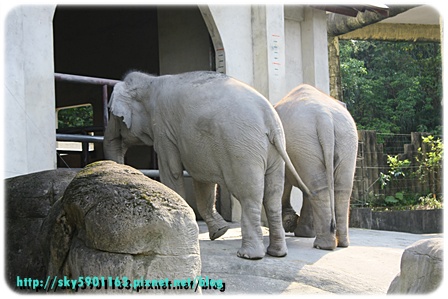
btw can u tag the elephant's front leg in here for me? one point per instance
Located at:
(205, 201)
(171, 169)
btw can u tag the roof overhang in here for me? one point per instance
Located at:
(353, 10)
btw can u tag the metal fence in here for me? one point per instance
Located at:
(372, 169)
(85, 139)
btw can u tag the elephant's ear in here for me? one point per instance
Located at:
(120, 104)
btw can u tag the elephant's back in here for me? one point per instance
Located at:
(308, 104)
(305, 108)
(226, 120)
(214, 102)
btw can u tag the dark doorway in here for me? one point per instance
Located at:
(109, 41)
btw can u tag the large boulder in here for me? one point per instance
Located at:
(116, 226)
(421, 268)
(28, 200)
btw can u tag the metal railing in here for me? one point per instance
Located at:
(86, 139)
(91, 80)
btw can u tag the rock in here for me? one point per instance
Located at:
(421, 268)
(107, 222)
(115, 222)
(28, 202)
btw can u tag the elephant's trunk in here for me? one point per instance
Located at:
(113, 144)
(113, 151)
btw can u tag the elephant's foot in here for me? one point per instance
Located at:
(217, 227)
(326, 243)
(278, 250)
(216, 233)
(289, 219)
(305, 231)
(251, 253)
(343, 241)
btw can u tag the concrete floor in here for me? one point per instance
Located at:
(366, 267)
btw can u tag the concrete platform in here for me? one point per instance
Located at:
(366, 267)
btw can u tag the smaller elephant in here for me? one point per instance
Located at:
(322, 142)
(222, 132)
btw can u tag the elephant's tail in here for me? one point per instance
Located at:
(325, 133)
(278, 141)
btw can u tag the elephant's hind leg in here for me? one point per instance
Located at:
(252, 237)
(289, 216)
(273, 206)
(342, 201)
(325, 233)
(248, 189)
(305, 226)
(205, 201)
(343, 189)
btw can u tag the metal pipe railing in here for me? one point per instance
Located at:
(85, 79)
(91, 80)
(79, 138)
(85, 139)
(152, 173)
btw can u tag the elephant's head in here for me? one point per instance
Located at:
(129, 122)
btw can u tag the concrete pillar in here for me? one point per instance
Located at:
(293, 46)
(268, 42)
(314, 49)
(30, 129)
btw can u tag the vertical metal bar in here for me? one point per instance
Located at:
(105, 110)
(85, 154)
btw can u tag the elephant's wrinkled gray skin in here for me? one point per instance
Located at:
(221, 131)
(322, 142)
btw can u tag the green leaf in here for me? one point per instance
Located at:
(390, 199)
(399, 195)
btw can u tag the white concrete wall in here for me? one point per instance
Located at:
(268, 41)
(234, 25)
(276, 52)
(29, 130)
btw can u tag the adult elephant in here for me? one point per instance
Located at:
(222, 132)
(322, 142)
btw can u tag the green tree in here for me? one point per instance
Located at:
(393, 87)
(81, 116)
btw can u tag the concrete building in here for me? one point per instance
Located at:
(272, 48)
(258, 45)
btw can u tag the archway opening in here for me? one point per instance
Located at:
(109, 41)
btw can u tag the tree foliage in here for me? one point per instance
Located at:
(393, 87)
(428, 168)
(80, 116)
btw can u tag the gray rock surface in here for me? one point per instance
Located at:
(28, 200)
(112, 222)
(421, 269)
(119, 223)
